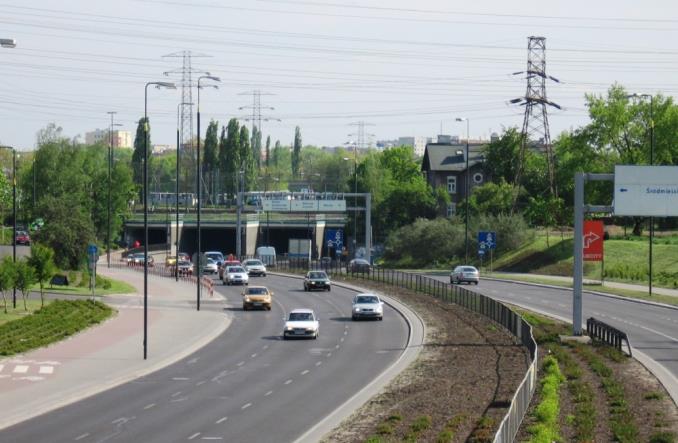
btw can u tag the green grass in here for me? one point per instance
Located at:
(546, 429)
(80, 286)
(19, 312)
(54, 322)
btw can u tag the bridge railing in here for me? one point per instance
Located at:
(486, 306)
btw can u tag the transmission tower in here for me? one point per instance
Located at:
(256, 118)
(360, 137)
(186, 114)
(536, 123)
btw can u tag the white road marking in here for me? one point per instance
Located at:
(253, 355)
(341, 339)
(176, 393)
(245, 406)
(200, 383)
(265, 347)
(221, 420)
(345, 332)
(336, 347)
(180, 378)
(80, 437)
(329, 354)
(2, 367)
(193, 360)
(241, 363)
(194, 435)
(20, 369)
(30, 378)
(305, 371)
(268, 393)
(149, 406)
(288, 382)
(119, 420)
(318, 363)
(46, 370)
(212, 438)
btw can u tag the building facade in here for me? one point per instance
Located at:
(120, 139)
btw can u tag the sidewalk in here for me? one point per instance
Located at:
(110, 354)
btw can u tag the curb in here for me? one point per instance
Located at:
(416, 336)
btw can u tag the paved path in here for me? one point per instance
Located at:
(112, 353)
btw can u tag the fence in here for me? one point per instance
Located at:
(167, 271)
(601, 331)
(473, 301)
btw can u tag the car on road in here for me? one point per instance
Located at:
(236, 275)
(465, 273)
(225, 265)
(141, 258)
(185, 267)
(184, 256)
(367, 306)
(301, 323)
(359, 265)
(254, 267)
(22, 238)
(256, 297)
(170, 261)
(317, 280)
(217, 256)
(210, 267)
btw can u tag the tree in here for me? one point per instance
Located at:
(42, 262)
(25, 278)
(211, 157)
(256, 146)
(247, 161)
(296, 151)
(268, 151)
(7, 278)
(138, 155)
(229, 155)
(490, 199)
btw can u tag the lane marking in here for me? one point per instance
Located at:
(268, 393)
(194, 435)
(241, 363)
(265, 347)
(193, 360)
(245, 406)
(200, 383)
(345, 332)
(46, 370)
(253, 355)
(341, 339)
(336, 346)
(212, 438)
(288, 382)
(221, 420)
(329, 354)
(149, 406)
(305, 371)
(2, 367)
(80, 437)
(20, 369)
(180, 378)
(119, 420)
(176, 393)
(318, 363)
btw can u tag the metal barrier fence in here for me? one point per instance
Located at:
(167, 271)
(473, 301)
(601, 331)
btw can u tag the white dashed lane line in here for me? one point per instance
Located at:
(318, 363)
(176, 394)
(221, 420)
(180, 378)
(288, 382)
(201, 383)
(241, 363)
(194, 435)
(253, 355)
(212, 438)
(305, 371)
(46, 370)
(20, 369)
(149, 406)
(80, 437)
(245, 406)
(268, 393)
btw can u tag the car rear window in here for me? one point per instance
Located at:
(469, 270)
(257, 291)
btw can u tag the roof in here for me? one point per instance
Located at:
(446, 157)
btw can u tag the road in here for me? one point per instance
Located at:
(247, 386)
(653, 330)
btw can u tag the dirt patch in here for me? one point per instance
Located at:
(459, 388)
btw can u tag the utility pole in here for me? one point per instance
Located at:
(256, 117)
(535, 120)
(360, 144)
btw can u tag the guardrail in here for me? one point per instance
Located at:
(473, 301)
(601, 331)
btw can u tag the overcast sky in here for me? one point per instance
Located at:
(405, 68)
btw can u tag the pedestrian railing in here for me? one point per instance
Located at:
(605, 333)
(169, 272)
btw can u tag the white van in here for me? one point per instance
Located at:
(267, 255)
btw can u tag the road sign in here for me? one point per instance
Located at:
(593, 240)
(646, 190)
(487, 240)
(91, 249)
(481, 252)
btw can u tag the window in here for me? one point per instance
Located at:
(451, 209)
(478, 178)
(451, 184)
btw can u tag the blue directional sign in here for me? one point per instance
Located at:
(334, 238)
(481, 252)
(91, 249)
(487, 240)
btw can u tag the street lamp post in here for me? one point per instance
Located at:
(158, 85)
(198, 188)
(110, 164)
(466, 186)
(13, 213)
(651, 97)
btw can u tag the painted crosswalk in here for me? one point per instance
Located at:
(27, 370)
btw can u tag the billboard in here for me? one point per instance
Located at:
(593, 240)
(285, 205)
(646, 190)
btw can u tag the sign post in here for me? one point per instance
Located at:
(92, 258)
(487, 240)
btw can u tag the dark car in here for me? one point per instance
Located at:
(22, 238)
(359, 265)
(317, 280)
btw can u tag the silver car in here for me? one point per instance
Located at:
(236, 275)
(367, 306)
(464, 273)
(254, 267)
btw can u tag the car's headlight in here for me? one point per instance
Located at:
(247, 299)
(289, 328)
(356, 309)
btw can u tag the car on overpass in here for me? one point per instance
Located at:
(301, 323)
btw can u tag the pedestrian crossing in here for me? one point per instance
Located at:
(28, 370)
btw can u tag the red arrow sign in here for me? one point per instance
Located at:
(593, 240)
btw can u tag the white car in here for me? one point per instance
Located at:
(301, 323)
(254, 267)
(465, 273)
(217, 256)
(367, 306)
(236, 275)
(210, 267)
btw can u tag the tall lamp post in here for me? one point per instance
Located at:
(198, 187)
(651, 97)
(13, 213)
(158, 85)
(110, 164)
(466, 186)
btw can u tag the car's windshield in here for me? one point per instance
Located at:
(214, 256)
(301, 316)
(317, 275)
(257, 291)
(366, 299)
(235, 269)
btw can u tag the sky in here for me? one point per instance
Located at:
(403, 68)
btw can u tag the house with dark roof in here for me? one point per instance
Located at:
(444, 164)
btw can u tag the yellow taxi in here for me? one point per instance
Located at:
(256, 297)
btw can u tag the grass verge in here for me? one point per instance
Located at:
(54, 322)
(546, 428)
(105, 286)
(19, 312)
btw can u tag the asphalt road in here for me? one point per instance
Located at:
(246, 386)
(652, 330)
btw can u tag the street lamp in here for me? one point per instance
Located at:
(158, 85)
(466, 184)
(13, 213)
(651, 97)
(198, 186)
(110, 163)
